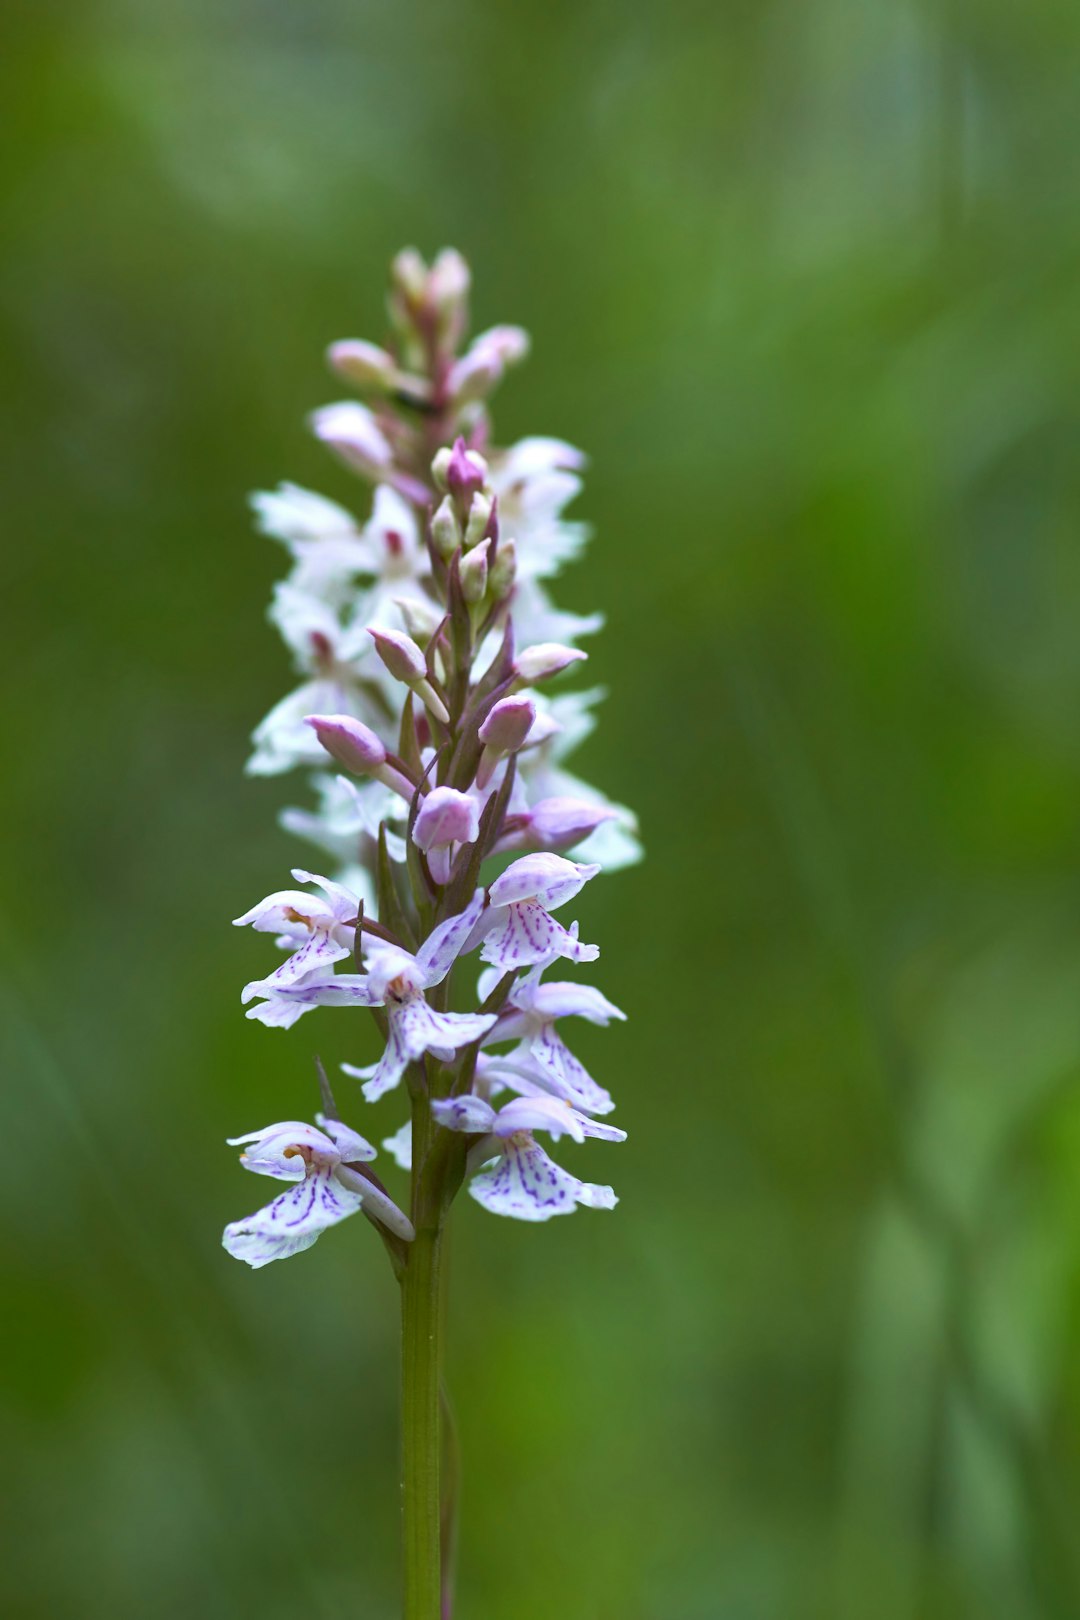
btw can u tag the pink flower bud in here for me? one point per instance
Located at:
(545, 659)
(466, 472)
(357, 748)
(354, 745)
(508, 724)
(400, 654)
(446, 817)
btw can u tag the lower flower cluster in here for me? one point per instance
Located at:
(426, 646)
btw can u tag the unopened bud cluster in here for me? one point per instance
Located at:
(431, 713)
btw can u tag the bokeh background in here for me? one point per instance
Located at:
(802, 278)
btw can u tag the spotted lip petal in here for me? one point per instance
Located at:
(526, 1185)
(523, 934)
(293, 1221)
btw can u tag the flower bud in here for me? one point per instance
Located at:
(446, 817)
(547, 658)
(503, 571)
(482, 368)
(448, 291)
(474, 573)
(421, 619)
(406, 663)
(352, 431)
(466, 472)
(445, 529)
(363, 364)
(400, 654)
(354, 745)
(508, 723)
(409, 275)
(479, 518)
(357, 748)
(441, 465)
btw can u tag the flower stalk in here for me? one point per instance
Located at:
(432, 713)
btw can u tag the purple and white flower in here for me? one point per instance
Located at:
(318, 932)
(518, 929)
(516, 1177)
(541, 1061)
(397, 980)
(324, 1189)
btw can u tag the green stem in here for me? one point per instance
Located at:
(421, 1329)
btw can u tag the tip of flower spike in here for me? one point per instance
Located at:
(465, 472)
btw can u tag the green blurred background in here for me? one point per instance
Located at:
(802, 279)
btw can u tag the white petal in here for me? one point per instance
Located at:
(272, 1151)
(550, 878)
(444, 945)
(563, 999)
(271, 916)
(550, 1114)
(350, 1145)
(399, 1146)
(342, 903)
(383, 1076)
(286, 1003)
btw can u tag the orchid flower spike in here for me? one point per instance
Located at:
(397, 980)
